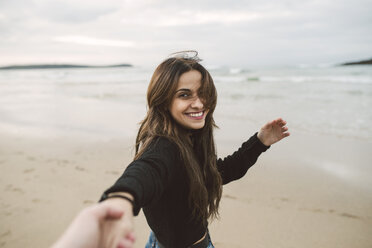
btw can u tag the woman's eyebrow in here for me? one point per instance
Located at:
(188, 90)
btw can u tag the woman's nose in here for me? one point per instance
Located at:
(197, 103)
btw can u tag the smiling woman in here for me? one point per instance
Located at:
(175, 176)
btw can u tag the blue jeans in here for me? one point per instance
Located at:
(153, 243)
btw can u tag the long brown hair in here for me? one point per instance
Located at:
(197, 151)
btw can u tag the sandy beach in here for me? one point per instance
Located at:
(285, 200)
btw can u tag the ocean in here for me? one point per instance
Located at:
(110, 102)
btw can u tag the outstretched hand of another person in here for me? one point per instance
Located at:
(118, 233)
(87, 229)
(273, 132)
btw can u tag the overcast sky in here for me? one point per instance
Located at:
(232, 33)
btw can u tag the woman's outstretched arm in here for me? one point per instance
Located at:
(235, 166)
(143, 182)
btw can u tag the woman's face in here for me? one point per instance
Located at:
(186, 108)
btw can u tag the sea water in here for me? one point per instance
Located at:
(110, 102)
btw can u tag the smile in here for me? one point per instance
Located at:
(196, 115)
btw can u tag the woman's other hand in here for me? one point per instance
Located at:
(273, 132)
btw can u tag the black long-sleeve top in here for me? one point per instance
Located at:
(158, 182)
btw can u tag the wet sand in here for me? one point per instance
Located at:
(299, 194)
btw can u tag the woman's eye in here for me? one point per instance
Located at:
(184, 95)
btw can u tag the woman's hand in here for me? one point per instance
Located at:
(273, 132)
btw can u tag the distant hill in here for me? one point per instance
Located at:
(362, 62)
(58, 66)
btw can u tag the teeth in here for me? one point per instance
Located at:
(196, 114)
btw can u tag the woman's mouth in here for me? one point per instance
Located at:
(196, 115)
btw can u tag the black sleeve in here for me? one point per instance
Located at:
(147, 177)
(236, 165)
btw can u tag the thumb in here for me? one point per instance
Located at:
(105, 211)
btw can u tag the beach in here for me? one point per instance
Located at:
(62, 145)
(281, 202)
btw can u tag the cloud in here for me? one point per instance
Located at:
(73, 12)
(64, 11)
(142, 31)
(83, 40)
(189, 17)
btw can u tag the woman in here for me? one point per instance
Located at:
(176, 177)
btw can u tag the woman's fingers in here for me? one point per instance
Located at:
(281, 122)
(277, 122)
